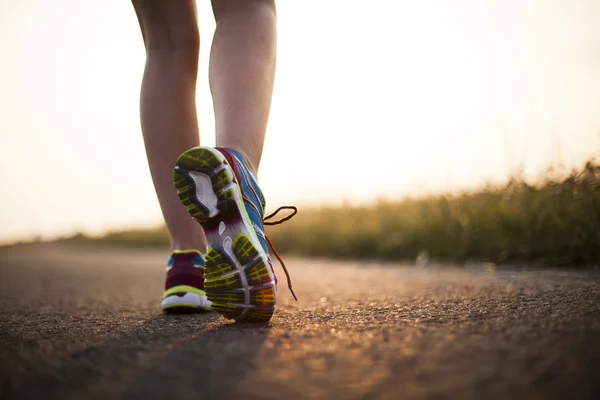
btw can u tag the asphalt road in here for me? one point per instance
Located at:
(86, 324)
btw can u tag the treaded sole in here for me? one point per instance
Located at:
(237, 277)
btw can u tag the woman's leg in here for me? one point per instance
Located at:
(168, 104)
(217, 185)
(242, 73)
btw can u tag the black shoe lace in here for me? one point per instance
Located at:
(280, 221)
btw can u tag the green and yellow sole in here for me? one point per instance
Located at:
(237, 278)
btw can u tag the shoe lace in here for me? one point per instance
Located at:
(280, 221)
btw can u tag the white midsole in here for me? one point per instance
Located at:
(204, 187)
(188, 299)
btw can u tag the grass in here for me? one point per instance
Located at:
(554, 222)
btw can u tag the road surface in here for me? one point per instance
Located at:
(79, 323)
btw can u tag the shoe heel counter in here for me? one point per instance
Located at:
(185, 270)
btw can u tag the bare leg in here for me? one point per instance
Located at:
(168, 104)
(242, 73)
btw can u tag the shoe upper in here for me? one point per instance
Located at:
(185, 268)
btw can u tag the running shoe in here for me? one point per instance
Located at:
(222, 194)
(184, 288)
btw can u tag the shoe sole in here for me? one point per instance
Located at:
(180, 299)
(237, 278)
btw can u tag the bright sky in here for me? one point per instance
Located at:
(391, 97)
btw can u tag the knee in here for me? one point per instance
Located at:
(170, 32)
(266, 9)
(179, 51)
(227, 8)
(177, 40)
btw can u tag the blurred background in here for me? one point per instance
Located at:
(423, 111)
